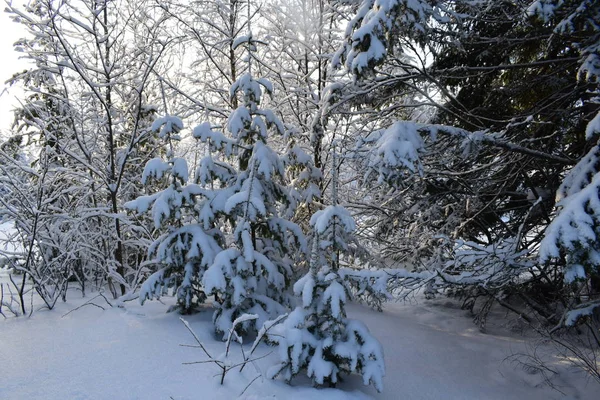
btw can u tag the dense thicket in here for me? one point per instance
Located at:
(469, 157)
(513, 90)
(508, 93)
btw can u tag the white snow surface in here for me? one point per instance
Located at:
(432, 351)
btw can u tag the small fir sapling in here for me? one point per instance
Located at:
(317, 338)
(188, 245)
(252, 274)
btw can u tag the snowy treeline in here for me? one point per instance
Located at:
(291, 156)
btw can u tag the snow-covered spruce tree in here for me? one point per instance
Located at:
(252, 274)
(574, 235)
(317, 337)
(572, 240)
(188, 246)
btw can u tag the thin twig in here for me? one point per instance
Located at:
(187, 325)
(89, 303)
(248, 385)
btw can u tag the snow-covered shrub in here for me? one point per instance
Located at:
(251, 276)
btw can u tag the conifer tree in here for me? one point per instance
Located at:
(229, 233)
(185, 249)
(252, 274)
(317, 337)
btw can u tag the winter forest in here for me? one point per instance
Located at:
(300, 199)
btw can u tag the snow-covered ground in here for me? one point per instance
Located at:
(433, 351)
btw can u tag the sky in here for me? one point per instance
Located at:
(9, 64)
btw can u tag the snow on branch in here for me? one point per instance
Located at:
(368, 32)
(582, 310)
(489, 266)
(493, 139)
(368, 285)
(394, 149)
(155, 168)
(399, 148)
(575, 229)
(239, 121)
(217, 140)
(250, 87)
(573, 17)
(322, 220)
(581, 175)
(167, 125)
(590, 67)
(542, 8)
(154, 286)
(241, 40)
